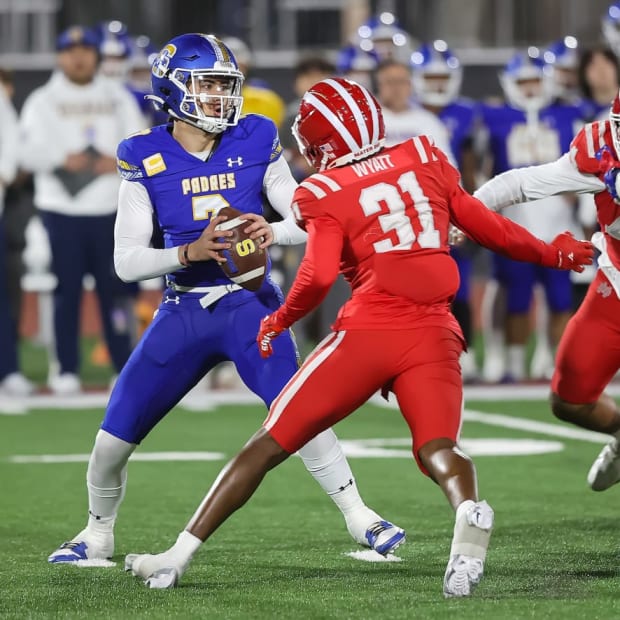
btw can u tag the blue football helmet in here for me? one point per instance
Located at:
(436, 74)
(357, 65)
(382, 35)
(562, 62)
(114, 49)
(610, 25)
(195, 78)
(141, 57)
(518, 81)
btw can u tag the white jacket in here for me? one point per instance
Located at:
(61, 118)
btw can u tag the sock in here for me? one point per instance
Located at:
(472, 539)
(325, 460)
(184, 548)
(106, 481)
(515, 356)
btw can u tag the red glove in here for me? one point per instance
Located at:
(572, 254)
(270, 328)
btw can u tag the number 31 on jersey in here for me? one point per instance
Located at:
(397, 219)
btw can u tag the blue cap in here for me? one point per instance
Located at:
(77, 35)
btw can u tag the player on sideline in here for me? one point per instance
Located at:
(181, 174)
(383, 215)
(588, 355)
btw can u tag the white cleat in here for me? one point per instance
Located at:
(605, 470)
(83, 547)
(159, 571)
(472, 532)
(66, 384)
(368, 529)
(16, 385)
(463, 574)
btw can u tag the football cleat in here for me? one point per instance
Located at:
(463, 574)
(81, 549)
(384, 537)
(472, 532)
(605, 470)
(159, 571)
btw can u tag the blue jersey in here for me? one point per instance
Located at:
(514, 143)
(185, 339)
(186, 192)
(459, 117)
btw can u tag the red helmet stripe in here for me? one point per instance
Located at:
(334, 121)
(375, 117)
(354, 107)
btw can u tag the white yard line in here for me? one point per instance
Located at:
(525, 424)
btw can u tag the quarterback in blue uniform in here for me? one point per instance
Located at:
(180, 175)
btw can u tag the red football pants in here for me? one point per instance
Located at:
(589, 352)
(421, 367)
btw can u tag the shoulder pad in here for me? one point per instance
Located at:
(264, 135)
(128, 161)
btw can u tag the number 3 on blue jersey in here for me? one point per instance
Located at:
(205, 207)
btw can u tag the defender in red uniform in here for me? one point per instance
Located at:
(588, 355)
(381, 216)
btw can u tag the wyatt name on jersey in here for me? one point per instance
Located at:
(373, 164)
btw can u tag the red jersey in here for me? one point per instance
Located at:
(584, 148)
(383, 222)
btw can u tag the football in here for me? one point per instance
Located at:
(246, 263)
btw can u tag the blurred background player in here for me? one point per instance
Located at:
(69, 130)
(114, 50)
(383, 37)
(562, 63)
(355, 64)
(437, 77)
(12, 381)
(142, 53)
(525, 130)
(403, 117)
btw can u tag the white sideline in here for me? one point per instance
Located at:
(243, 396)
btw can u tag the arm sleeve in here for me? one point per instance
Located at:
(535, 182)
(133, 258)
(279, 186)
(317, 272)
(498, 233)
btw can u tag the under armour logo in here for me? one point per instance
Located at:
(571, 257)
(172, 299)
(238, 161)
(604, 289)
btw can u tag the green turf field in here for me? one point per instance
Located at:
(554, 553)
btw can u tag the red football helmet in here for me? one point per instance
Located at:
(338, 122)
(614, 118)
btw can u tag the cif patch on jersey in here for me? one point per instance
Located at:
(154, 164)
(186, 192)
